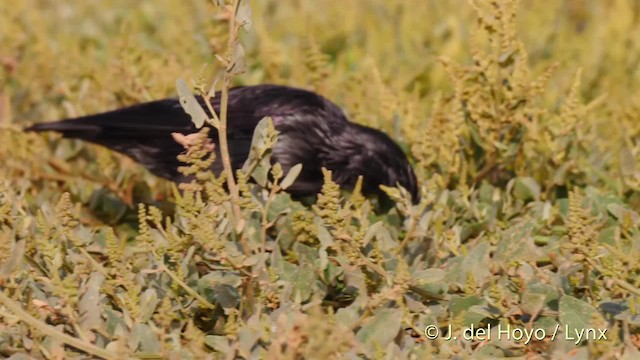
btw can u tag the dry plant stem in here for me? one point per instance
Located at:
(224, 150)
(623, 284)
(265, 225)
(53, 332)
(215, 122)
(177, 279)
(222, 129)
(186, 287)
(235, 266)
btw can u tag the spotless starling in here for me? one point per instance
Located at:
(313, 132)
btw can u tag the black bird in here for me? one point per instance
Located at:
(313, 132)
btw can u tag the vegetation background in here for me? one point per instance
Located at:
(522, 120)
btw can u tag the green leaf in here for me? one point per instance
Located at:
(506, 57)
(549, 292)
(455, 271)
(381, 329)
(248, 337)
(324, 236)
(257, 153)
(392, 192)
(89, 305)
(303, 280)
(107, 206)
(291, 176)
(560, 176)
(427, 276)
(144, 339)
(148, 303)
(243, 16)
(226, 295)
(429, 282)
(490, 352)
(372, 231)
(114, 321)
(576, 314)
(460, 304)
(348, 316)
(14, 260)
(261, 172)
(547, 323)
(516, 242)
(627, 162)
(221, 287)
(532, 303)
(218, 343)
(526, 188)
(190, 105)
(280, 206)
(476, 262)
(239, 63)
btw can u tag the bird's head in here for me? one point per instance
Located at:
(371, 153)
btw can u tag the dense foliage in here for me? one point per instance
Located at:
(522, 120)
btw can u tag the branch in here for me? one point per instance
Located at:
(55, 333)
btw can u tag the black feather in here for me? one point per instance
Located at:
(313, 131)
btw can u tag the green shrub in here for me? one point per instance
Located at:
(521, 120)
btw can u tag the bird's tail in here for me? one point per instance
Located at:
(144, 120)
(70, 128)
(142, 132)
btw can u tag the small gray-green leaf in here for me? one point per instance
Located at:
(261, 172)
(392, 192)
(324, 236)
(476, 262)
(262, 164)
(429, 282)
(190, 104)
(218, 343)
(516, 242)
(459, 304)
(239, 62)
(144, 339)
(526, 188)
(427, 276)
(148, 303)
(243, 16)
(532, 303)
(549, 292)
(372, 231)
(348, 316)
(226, 295)
(291, 176)
(575, 314)
(89, 306)
(506, 57)
(14, 260)
(627, 162)
(382, 329)
(303, 281)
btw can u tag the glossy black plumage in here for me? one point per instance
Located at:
(313, 131)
